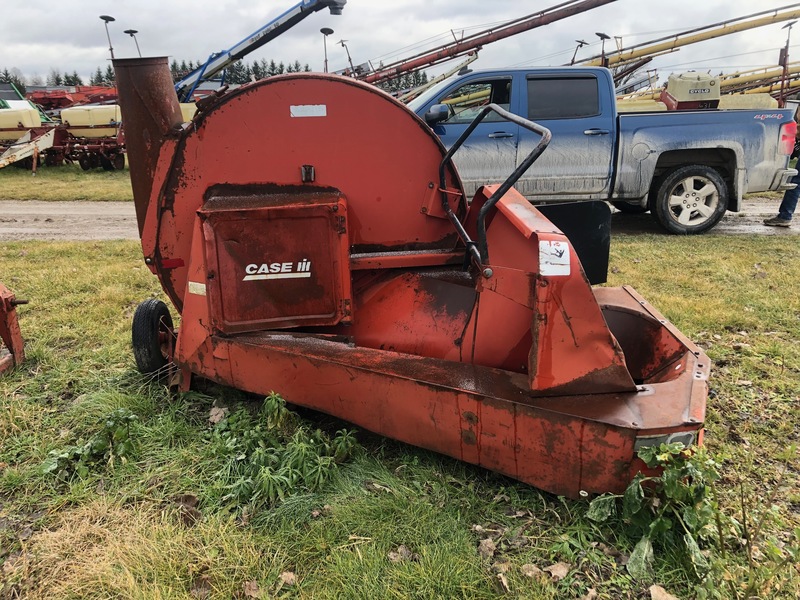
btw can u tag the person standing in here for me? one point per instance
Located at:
(787, 207)
(789, 202)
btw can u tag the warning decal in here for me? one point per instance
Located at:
(553, 257)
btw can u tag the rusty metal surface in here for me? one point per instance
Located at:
(12, 346)
(481, 415)
(150, 110)
(515, 366)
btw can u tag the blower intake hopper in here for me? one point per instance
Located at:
(314, 236)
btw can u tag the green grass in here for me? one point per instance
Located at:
(118, 532)
(67, 182)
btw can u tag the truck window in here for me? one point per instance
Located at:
(466, 101)
(562, 97)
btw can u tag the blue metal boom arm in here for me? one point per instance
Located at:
(220, 60)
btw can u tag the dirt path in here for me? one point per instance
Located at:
(34, 220)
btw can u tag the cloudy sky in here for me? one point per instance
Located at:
(68, 35)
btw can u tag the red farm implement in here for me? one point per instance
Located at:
(12, 351)
(314, 236)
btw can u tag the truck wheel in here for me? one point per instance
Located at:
(630, 208)
(152, 336)
(690, 200)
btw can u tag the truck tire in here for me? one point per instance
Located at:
(630, 208)
(690, 200)
(151, 336)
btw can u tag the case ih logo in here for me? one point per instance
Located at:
(278, 270)
(700, 91)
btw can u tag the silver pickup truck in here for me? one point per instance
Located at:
(686, 167)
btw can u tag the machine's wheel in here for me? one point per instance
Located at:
(690, 200)
(118, 162)
(152, 336)
(85, 162)
(630, 208)
(53, 159)
(106, 163)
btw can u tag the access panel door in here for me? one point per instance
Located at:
(276, 261)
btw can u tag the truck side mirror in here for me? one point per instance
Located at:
(436, 114)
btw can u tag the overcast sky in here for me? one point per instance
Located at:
(36, 37)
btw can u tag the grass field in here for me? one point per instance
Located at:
(160, 519)
(67, 182)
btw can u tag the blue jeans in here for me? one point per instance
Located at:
(789, 202)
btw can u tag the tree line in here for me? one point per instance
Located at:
(238, 73)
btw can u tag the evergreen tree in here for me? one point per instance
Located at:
(97, 78)
(73, 79)
(404, 82)
(14, 76)
(108, 76)
(54, 78)
(257, 70)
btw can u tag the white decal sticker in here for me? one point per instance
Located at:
(198, 289)
(553, 258)
(308, 110)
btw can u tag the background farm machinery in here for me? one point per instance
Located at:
(91, 136)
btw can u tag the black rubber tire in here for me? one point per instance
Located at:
(85, 162)
(25, 163)
(118, 161)
(151, 323)
(685, 205)
(628, 207)
(106, 163)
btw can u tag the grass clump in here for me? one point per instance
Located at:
(264, 457)
(112, 442)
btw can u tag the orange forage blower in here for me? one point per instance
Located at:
(314, 236)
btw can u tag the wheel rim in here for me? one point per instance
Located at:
(693, 200)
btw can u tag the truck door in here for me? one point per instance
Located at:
(577, 163)
(490, 153)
